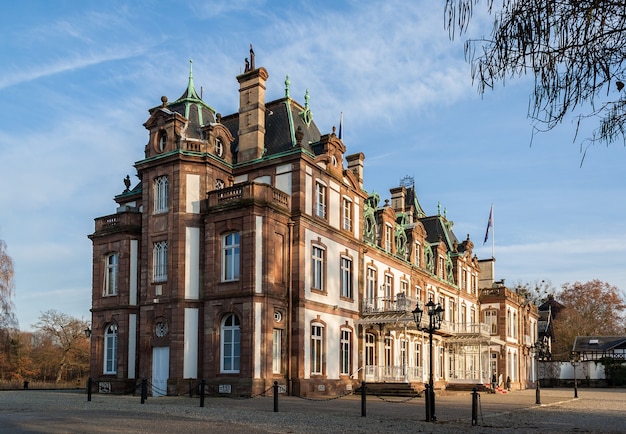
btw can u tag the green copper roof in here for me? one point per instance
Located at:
(191, 97)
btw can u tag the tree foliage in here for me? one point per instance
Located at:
(574, 49)
(66, 340)
(594, 308)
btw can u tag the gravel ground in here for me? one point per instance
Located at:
(32, 411)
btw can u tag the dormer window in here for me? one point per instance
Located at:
(162, 140)
(219, 148)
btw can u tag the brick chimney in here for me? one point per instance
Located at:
(355, 164)
(251, 114)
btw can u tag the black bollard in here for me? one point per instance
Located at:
(363, 400)
(190, 389)
(275, 396)
(428, 397)
(202, 386)
(89, 381)
(537, 393)
(144, 390)
(475, 396)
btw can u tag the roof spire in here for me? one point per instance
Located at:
(287, 83)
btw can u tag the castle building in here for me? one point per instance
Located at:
(249, 252)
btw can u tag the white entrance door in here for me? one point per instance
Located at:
(160, 370)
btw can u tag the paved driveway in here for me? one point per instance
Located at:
(32, 411)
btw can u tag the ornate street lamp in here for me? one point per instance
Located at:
(542, 353)
(435, 318)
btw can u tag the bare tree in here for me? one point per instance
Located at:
(8, 319)
(575, 50)
(594, 308)
(68, 335)
(536, 292)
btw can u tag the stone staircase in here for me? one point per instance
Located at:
(392, 389)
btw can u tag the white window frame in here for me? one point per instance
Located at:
(370, 349)
(320, 199)
(110, 349)
(159, 261)
(347, 214)
(317, 349)
(372, 284)
(388, 238)
(161, 194)
(346, 277)
(111, 274)
(277, 351)
(417, 354)
(491, 319)
(230, 344)
(317, 267)
(231, 256)
(345, 351)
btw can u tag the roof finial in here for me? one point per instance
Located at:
(191, 90)
(252, 67)
(287, 83)
(306, 99)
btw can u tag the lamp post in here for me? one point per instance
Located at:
(574, 359)
(435, 317)
(541, 354)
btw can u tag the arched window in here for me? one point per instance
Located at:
(110, 349)
(231, 344)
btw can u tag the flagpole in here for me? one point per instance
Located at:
(493, 233)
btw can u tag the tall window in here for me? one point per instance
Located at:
(346, 277)
(317, 349)
(371, 285)
(317, 268)
(346, 337)
(277, 351)
(388, 288)
(161, 194)
(491, 319)
(320, 200)
(230, 257)
(159, 261)
(418, 254)
(370, 349)
(509, 324)
(110, 349)
(347, 214)
(110, 277)
(418, 354)
(388, 352)
(230, 344)
(388, 237)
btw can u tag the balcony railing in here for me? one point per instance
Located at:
(399, 303)
(248, 191)
(119, 221)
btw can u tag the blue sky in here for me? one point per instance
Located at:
(78, 78)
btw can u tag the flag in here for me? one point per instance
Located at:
(489, 224)
(340, 125)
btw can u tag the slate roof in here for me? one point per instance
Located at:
(437, 230)
(587, 344)
(282, 120)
